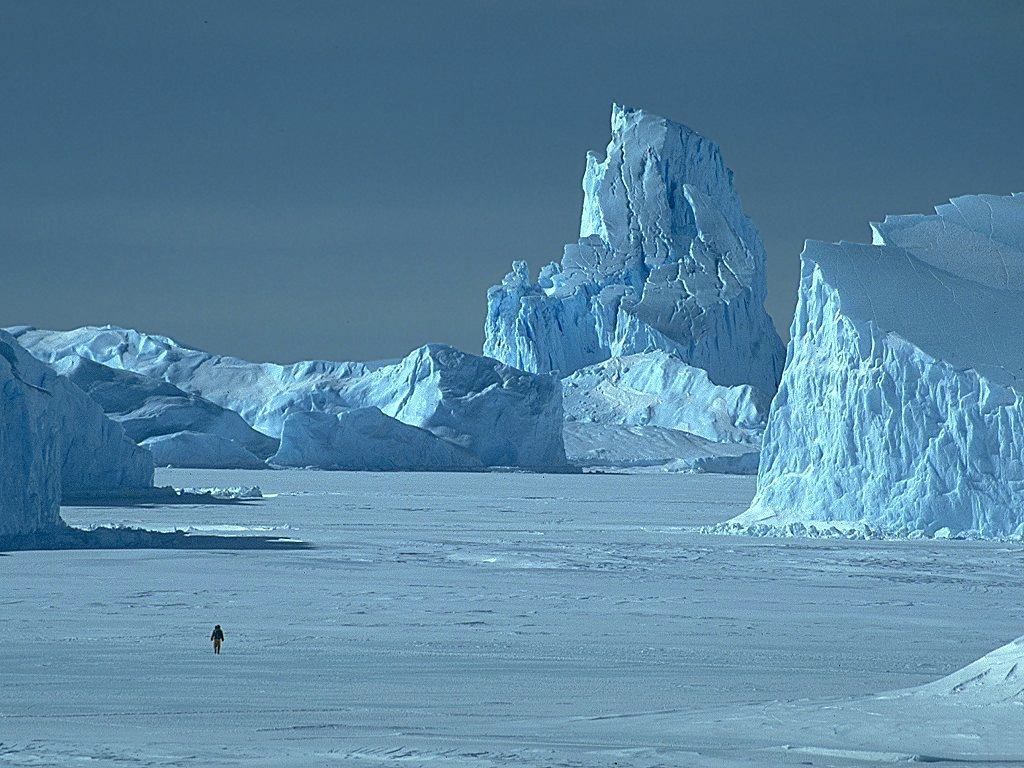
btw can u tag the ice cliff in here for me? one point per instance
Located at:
(499, 415)
(902, 403)
(54, 442)
(666, 260)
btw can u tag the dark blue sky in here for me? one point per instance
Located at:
(344, 180)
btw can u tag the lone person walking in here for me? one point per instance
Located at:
(218, 638)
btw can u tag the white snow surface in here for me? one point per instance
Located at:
(477, 620)
(666, 260)
(901, 405)
(501, 415)
(365, 439)
(54, 442)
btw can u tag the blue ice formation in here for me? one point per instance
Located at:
(902, 403)
(656, 389)
(499, 415)
(365, 439)
(666, 260)
(55, 442)
(180, 429)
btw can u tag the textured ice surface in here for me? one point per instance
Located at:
(365, 439)
(901, 404)
(501, 415)
(666, 260)
(157, 413)
(54, 441)
(656, 389)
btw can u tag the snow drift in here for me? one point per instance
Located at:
(500, 415)
(902, 403)
(666, 260)
(54, 442)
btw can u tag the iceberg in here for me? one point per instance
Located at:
(168, 421)
(656, 389)
(500, 415)
(598, 447)
(55, 442)
(902, 403)
(666, 260)
(365, 439)
(200, 450)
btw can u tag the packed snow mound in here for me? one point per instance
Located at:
(621, 447)
(201, 450)
(995, 678)
(365, 439)
(501, 415)
(657, 389)
(149, 408)
(55, 441)
(666, 260)
(902, 403)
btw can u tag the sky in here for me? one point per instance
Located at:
(344, 180)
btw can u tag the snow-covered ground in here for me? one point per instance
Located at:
(503, 619)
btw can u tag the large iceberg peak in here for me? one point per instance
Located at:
(666, 260)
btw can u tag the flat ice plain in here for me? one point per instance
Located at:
(498, 620)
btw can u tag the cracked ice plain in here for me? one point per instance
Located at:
(666, 261)
(902, 402)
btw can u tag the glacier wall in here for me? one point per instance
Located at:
(902, 402)
(54, 442)
(666, 260)
(501, 415)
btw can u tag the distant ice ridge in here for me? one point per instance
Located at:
(495, 413)
(666, 261)
(54, 441)
(902, 404)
